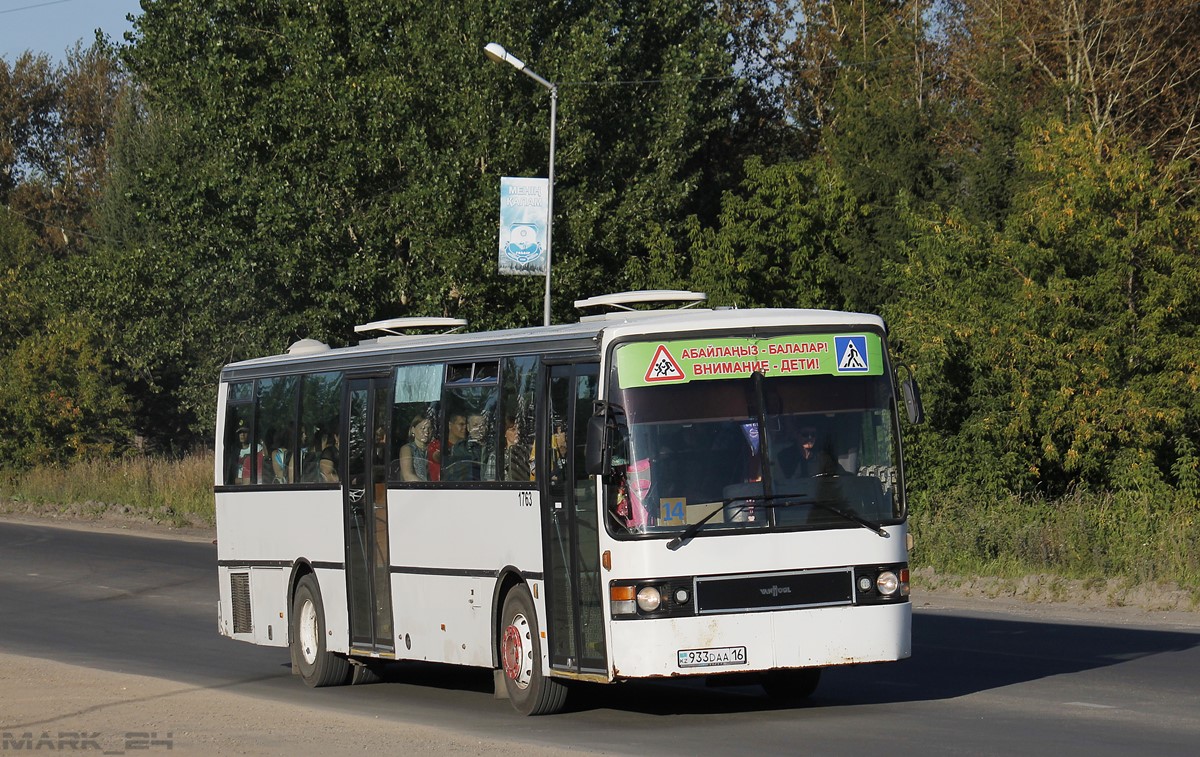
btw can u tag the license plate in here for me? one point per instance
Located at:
(701, 658)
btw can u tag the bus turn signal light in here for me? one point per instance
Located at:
(623, 600)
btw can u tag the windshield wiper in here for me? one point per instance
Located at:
(852, 516)
(755, 501)
(773, 501)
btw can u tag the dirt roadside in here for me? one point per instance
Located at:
(54, 707)
(58, 707)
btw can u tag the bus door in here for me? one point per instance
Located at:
(573, 591)
(368, 562)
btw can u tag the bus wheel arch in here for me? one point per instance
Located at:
(508, 578)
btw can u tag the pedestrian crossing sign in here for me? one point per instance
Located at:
(851, 354)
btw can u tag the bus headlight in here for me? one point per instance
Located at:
(652, 598)
(887, 583)
(875, 584)
(649, 598)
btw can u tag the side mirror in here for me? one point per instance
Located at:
(912, 398)
(596, 451)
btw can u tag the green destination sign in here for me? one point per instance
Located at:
(677, 362)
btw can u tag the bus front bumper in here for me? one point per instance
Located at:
(751, 642)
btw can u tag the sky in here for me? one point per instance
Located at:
(52, 26)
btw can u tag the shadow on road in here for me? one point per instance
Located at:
(953, 656)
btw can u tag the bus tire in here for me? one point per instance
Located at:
(530, 692)
(792, 685)
(365, 673)
(316, 664)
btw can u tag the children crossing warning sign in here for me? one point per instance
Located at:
(663, 367)
(663, 362)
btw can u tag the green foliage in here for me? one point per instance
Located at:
(20, 299)
(1139, 536)
(777, 243)
(1054, 352)
(297, 168)
(879, 136)
(54, 143)
(57, 397)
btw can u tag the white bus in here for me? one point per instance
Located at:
(642, 494)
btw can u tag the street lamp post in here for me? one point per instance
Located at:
(497, 53)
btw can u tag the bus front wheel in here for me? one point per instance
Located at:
(530, 691)
(316, 664)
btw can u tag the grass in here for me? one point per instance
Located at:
(169, 491)
(1110, 542)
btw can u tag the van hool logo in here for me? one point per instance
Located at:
(775, 591)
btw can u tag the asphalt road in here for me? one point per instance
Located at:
(981, 680)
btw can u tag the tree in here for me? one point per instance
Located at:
(57, 399)
(854, 82)
(1129, 67)
(1055, 351)
(778, 239)
(59, 396)
(295, 168)
(21, 302)
(53, 149)
(28, 98)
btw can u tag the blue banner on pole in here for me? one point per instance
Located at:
(524, 211)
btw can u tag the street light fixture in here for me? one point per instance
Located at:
(497, 53)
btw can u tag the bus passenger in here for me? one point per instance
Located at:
(248, 452)
(309, 456)
(516, 453)
(805, 456)
(281, 458)
(461, 454)
(330, 455)
(413, 462)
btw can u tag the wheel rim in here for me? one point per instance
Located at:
(308, 632)
(518, 656)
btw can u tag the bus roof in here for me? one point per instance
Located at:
(569, 339)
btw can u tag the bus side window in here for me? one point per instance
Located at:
(320, 420)
(239, 412)
(520, 417)
(415, 423)
(275, 428)
(468, 451)
(470, 432)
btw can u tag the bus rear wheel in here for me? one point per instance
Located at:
(530, 692)
(792, 685)
(316, 664)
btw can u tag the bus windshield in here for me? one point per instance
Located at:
(761, 448)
